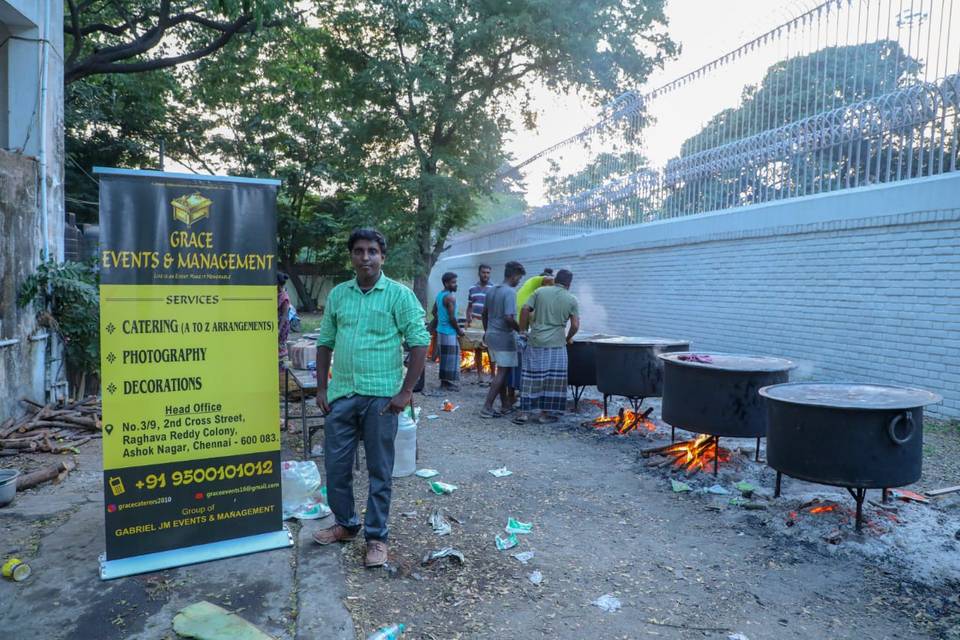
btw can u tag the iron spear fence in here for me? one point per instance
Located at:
(847, 93)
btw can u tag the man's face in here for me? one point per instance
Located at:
(484, 275)
(514, 280)
(366, 258)
(452, 285)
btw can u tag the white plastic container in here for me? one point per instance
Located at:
(405, 444)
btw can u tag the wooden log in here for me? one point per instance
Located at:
(37, 417)
(59, 424)
(942, 492)
(8, 452)
(88, 423)
(44, 475)
(649, 452)
(29, 435)
(30, 445)
(665, 462)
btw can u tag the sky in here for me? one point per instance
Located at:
(707, 29)
(701, 27)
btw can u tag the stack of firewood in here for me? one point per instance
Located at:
(59, 428)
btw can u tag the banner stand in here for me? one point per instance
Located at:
(189, 369)
(147, 563)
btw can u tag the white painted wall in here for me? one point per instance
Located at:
(859, 285)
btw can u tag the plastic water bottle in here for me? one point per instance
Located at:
(388, 633)
(405, 446)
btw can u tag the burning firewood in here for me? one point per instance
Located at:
(689, 456)
(625, 421)
(468, 361)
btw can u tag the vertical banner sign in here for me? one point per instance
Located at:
(188, 340)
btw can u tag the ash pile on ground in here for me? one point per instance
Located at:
(920, 539)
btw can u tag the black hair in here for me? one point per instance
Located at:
(547, 272)
(367, 234)
(447, 277)
(564, 277)
(513, 268)
(282, 278)
(483, 266)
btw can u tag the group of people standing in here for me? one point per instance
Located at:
(526, 332)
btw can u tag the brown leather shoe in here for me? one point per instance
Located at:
(376, 554)
(336, 533)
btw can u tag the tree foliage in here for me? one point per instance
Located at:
(134, 36)
(67, 300)
(114, 121)
(429, 89)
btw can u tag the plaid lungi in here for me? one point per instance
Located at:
(544, 379)
(515, 378)
(449, 357)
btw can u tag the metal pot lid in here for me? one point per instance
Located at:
(592, 337)
(729, 361)
(850, 396)
(642, 342)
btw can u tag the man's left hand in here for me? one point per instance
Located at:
(398, 402)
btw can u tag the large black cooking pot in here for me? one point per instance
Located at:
(847, 435)
(630, 367)
(581, 361)
(716, 393)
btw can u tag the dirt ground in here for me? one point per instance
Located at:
(604, 523)
(683, 565)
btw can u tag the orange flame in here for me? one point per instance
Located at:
(624, 422)
(468, 361)
(824, 509)
(697, 454)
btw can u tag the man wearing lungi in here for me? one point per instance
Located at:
(544, 376)
(448, 333)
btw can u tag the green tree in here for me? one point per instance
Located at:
(67, 301)
(428, 89)
(262, 106)
(134, 36)
(114, 121)
(790, 91)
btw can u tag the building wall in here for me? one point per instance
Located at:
(20, 108)
(22, 342)
(861, 285)
(26, 122)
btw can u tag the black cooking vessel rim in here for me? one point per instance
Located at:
(782, 363)
(632, 341)
(913, 397)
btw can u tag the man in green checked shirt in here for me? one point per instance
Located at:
(365, 323)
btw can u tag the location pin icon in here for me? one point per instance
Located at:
(108, 428)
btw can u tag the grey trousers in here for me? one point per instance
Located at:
(349, 420)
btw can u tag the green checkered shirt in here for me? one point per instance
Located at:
(366, 331)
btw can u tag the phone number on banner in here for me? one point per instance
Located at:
(207, 474)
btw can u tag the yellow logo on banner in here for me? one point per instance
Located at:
(189, 209)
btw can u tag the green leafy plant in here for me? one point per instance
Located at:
(67, 299)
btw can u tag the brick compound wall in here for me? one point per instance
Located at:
(862, 285)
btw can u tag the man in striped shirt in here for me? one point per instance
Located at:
(476, 300)
(366, 322)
